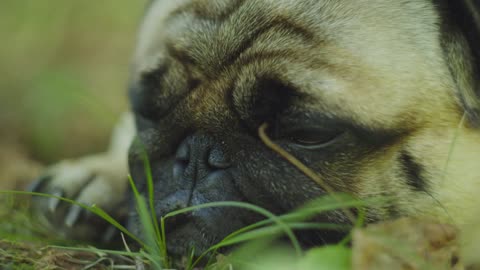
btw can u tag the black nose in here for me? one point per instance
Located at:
(197, 157)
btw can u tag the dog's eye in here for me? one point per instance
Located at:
(314, 139)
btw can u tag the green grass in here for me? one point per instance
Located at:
(272, 227)
(154, 249)
(257, 236)
(256, 247)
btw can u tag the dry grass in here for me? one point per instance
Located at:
(21, 255)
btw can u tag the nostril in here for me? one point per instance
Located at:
(217, 159)
(179, 168)
(182, 158)
(183, 153)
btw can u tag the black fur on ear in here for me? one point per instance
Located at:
(468, 16)
(461, 42)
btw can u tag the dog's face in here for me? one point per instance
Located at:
(369, 94)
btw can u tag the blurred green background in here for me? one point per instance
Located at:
(64, 66)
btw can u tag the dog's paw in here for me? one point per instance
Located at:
(99, 180)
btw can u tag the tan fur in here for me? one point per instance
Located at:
(384, 65)
(377, 62)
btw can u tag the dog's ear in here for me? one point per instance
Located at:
(461, 36)
(471, 23)
(466, 14)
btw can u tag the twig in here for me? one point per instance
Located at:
(302, 167)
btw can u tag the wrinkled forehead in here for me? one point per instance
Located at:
(198, 23)
(374, 24)
(351, 55)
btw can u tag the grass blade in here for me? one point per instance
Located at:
(152, 246)
(94, 209)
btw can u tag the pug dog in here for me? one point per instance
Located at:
(377, 97)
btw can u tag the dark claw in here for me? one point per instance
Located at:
(39, 183)
(73, 215)
(54, 202)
